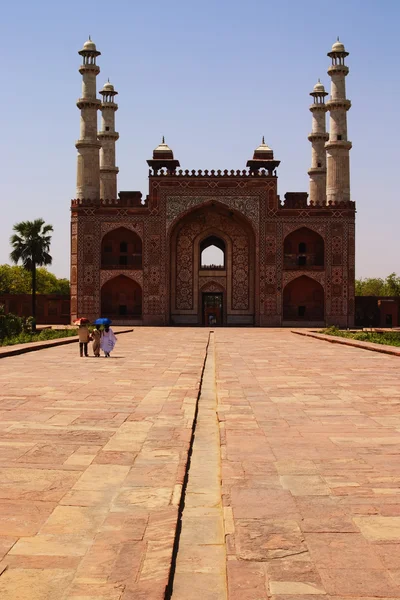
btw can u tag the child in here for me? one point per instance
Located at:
(108, 341)
(83, 333)
(96, 336)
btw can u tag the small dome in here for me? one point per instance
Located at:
(163, 151)
(89, 45)
(263, 147)
(318, 87)
(263, 152)
(338, 46)
(108, 87)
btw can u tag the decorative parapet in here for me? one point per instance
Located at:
(132, 201)
(213, 173)
(300, 204)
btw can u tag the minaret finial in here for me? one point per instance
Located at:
(338, 39)
(90, 39)
(163, 139)
(108, 80)
(319, 81)
(263, 140)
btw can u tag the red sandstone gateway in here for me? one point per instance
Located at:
(280, 263)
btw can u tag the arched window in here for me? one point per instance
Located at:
(121, 248)
(212, 253)
(303, 248)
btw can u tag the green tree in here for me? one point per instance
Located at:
(392, 285)
(376, 286)
(371, 286)
(16, 280)
(31, 245)
(48, 283)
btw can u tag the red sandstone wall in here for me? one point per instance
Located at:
(51, 309)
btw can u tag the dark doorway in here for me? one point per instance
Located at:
(212, 309)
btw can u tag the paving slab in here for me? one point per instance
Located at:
(92, 456)
(310, 446)
(294, 480)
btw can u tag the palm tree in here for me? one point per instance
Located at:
(31, 245)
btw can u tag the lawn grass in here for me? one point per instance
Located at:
(388, 338)
(45, 334)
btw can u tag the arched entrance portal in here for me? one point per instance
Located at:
(212, 268)
(121, 298)
(303, 300)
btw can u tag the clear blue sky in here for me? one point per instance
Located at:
(213, 77)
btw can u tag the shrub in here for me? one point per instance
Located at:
(10, 325)
(390, 338)
(25, 337)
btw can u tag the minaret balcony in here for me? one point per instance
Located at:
(339, 144)
(338, 103)
(108, 135)
(317, 171)
(89, 68)
(88, 103)
(88, 143)
(318, 135)
(109, 105)
(318, 107)
(338, 69)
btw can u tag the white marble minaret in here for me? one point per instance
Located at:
(108, 136)
(88, 173)
(318, 137)
(338, 146)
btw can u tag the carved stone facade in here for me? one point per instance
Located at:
(245, 212)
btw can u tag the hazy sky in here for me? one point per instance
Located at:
(213, 77)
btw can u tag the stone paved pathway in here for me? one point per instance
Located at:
(93, 455)
(92, 458)
(311, 467)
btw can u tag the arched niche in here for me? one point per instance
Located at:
(303, 248)
(121, 298)
(303, 300)
(231, 233)
(121, 248)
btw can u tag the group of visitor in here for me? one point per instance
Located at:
(102, 340)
